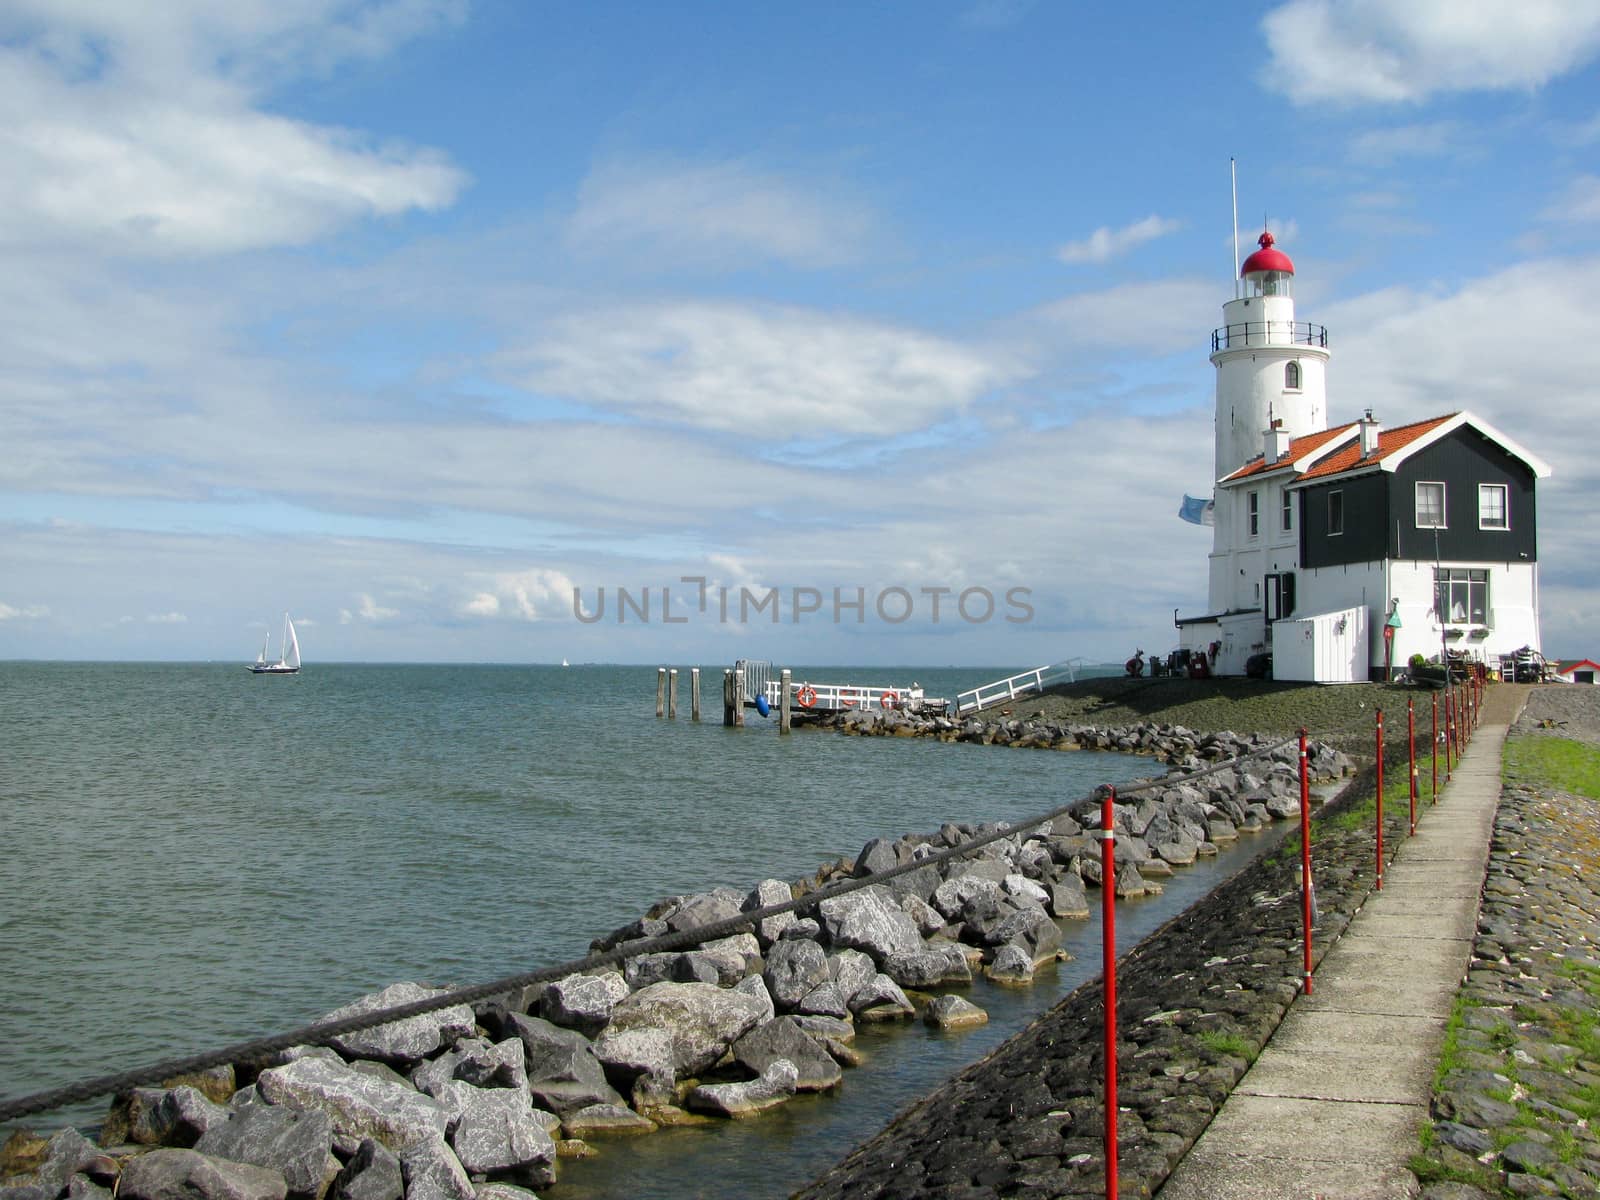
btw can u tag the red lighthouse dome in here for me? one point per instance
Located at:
(1267, 258)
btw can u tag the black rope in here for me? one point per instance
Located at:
(322, 1032)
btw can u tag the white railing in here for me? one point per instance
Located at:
(805, 696)
(1035, 680)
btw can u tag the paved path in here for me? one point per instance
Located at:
(1332, 1107)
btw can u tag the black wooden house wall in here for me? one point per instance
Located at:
(1380, 512)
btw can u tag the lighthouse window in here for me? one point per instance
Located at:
(1430, 506)
(1492, 506)
(1291, 377)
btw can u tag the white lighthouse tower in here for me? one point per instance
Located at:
(1270, 367)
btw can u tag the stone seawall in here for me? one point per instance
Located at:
(1197, 1000)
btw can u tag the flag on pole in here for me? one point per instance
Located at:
(1197, 511)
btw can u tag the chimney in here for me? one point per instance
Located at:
(1277, 442)
(1369, 434)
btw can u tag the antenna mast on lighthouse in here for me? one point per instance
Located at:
(1233, 268)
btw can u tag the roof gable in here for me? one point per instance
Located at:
(1388, 455)
(1302, 452)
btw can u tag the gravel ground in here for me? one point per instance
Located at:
(1567, 710)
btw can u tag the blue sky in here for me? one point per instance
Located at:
(413, 316)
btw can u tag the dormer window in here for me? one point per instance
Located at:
(1291, 377)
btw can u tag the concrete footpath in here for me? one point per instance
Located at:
(1333, 1106)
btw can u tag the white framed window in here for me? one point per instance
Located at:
(1461, 595)
(1286, 514)
(1335, 513)
(1430, 506)
(1492, 510)
(1253, 513)
(1291, 377)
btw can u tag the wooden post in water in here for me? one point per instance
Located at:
(727, 695)
(783, 702)
(661, 691)
(738, 698)
(694, 693)
(672, 693)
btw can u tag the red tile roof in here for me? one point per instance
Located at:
(1298, 449)
(1390, 441)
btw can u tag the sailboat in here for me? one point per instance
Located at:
(288, 662)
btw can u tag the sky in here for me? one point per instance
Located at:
(515, 331)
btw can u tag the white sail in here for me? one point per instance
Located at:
(291, 644)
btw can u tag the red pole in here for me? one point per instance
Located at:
(1380, 800)
(1433, 742)
(1449, 731)
(1305, 856)
(1411, 743)
(1108, 918)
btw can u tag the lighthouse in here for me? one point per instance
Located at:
(1271, 369)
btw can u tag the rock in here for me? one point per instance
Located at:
(804, 928)
(176, 1174)
(1462, 1137)
(954, 1012)
(1525, 1155)
(794, 968)
(433, 1172)
(775, 1086)
(23, 1153)
(851, 970)
(870, 920)
(641, 1059)
(782, 1037)
(918, 969)
(704, 908)
(81, 1187)
(297, 1144)
(1012, 964)
(825, 1000)
(502, 1191)
(583, 1002)
(950, 898)
(373, 1173)
(756, 988)
(701, 1021)
(927, 918)
(603, 1119)
(358, 1103)
(476, 1061)
(562, 1071)
(767, 893)
(499, 1135)
(405, 1041)
(881, 1000)
(1067, 898)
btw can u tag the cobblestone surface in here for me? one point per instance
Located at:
(1519, 1084)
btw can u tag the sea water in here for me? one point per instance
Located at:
(191, 856)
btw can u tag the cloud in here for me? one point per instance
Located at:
(168, 618)
(1107, 243)
(28, 612)
(717, 214)
(1374, 51)
(138, 135)
(531, 595)
(1433, 139)
(367, 609)
(1578, 202)
(773, 371)
(1159, 317)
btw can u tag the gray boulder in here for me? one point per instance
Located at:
(583, 1002)
(881, 1000)
(954, 1012)
(359, 1104)
(476, 1061)
(851, 970)
(765, 894)
(298, 1144)
(870, 920)
(560, 1066)
(433, 1172)
(177, 1174)
(815, 1069)
(775, 1086)
(755, 987)
(702, 1021)
(704, 908)
(1012, 964)
(929, 920)
(408, 1040)
(499, 1135)
(824, 1000)
(603, 1119)
(642, 1060)
(1067, 898)
(922, 968)
(794, 968)
(373, 1173)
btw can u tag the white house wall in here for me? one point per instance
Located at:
(1513, 612)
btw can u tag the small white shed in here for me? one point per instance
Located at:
(1325, 648)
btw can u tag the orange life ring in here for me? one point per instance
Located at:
(846, 701)
(889, 700)
(807, 696)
